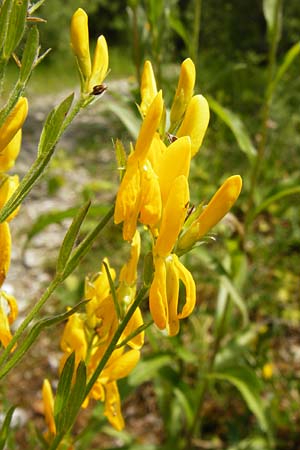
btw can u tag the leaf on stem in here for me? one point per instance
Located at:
(236, 126)
(30, 55)
(16, 26)
(70, 237)
(5, 427)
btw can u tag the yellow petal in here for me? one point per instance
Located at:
(128, 273)
(148, 87)
(5, 334)
(174, 162)
(74, 338)
(216, 209)
(128, 200)
(158, 294)
(48, 406)
(149, 127)
(13, 123)
(190, 288)
(13, 306)
(135, 322)
(173, 294)
(10, 153)
(5, 250)
(150, 211)
(173, 216)
(113, 406)
(100, 63)
(184, 91)
(122, 366)
(7, 188)
(195, 122)
(157, 149)
(80, 41)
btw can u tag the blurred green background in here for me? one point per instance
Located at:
(244, 335)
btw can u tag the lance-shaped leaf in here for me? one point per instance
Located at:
(16, 27)
(236, 126)
(63, 392)
(4, 20)
(30, 54)
(272, 10)
(246, 381)
(70, 237)
(76, 397)
(5, 427)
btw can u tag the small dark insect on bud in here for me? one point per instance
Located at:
(99, 89)
(171, 137)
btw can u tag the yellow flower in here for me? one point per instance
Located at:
(10, 153)
(5, 250)
(7, 302)
(13, 123)
(148, 87)
(92, 74)
(138, 195)
(184, 92)
(216, 209)
(195, 122)
(48, 402)
(168, 270)
(8, 185)
(119, 365)
(74, 339)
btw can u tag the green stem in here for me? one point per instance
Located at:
(196, 31)
(265, 113)
(197, 423)
(3, 64)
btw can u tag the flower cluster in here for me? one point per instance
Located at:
(10, 144)
(155, 191)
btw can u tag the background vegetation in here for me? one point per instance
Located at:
(244, 334)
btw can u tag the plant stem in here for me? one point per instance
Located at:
(265, 112)
(196, 31)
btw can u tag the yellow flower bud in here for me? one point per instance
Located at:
(100, 63)
(80, 41)
(7, 188)
(48, 402)
(5, 250)
(195, 122)
(10, 153)
(184, 92)
(216, 209)
(148, 87)
(13, 122)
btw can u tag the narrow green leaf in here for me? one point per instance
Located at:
(185, 406)
(246, 381)
(147, 368)
(288, 59)
(16, 26)
(63, 392)
(127, 117)
(35, 6)
(32, 336)
(4, 20)
(53, 125)
(180, 29)
(112, 290)
(77, 396)
(70, 237)
(235, 297)
(273, 199)
(5, 427)
(236, 126)
(30, 54)
(273, 15)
